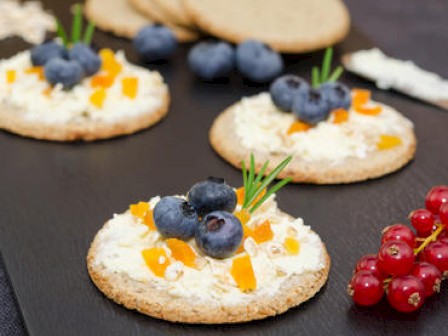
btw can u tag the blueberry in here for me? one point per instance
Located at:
(212, 60)
(219, 234)
(213, 194)
(337, 94)
(174, 217)
(258, 62)
(311, 107)
(86, 57)
(155, 43)
(285, 89)
(42, 53)
(66, 72)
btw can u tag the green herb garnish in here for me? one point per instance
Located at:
(321, 76)
(255, 184)
(76, 31)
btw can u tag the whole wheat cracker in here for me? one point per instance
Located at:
(176, 11)
(227, 144)
(14, 121)
(152, 10)
(147, 299)
(289, 26)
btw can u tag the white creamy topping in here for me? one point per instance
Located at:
(262, 126)
(26, 94)
(401, 75)
(27, 20)
(124, 237)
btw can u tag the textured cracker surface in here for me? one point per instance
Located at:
(147, 299)
(227, 144)
(290, 26)
(175, 9)
(152, 10)
(14, 121)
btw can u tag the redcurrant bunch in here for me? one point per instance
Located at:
(409, 267)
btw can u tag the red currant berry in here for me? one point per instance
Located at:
(369, 263)
(398, 232)
(406, 293)
(429, 275)
(436, 253)
(365, 288)
(422, 220)
(443, 236)
(443, 213)
(435, 198)
(396, 258)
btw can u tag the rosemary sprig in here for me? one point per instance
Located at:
(254, 185)
(76, 34)
(323, 75)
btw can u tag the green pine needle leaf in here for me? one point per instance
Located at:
(60, 31)
(315, 77)
(326, 65)
(88, 34)
(243, 167)
(336, 74)
(77, 24)
(271, 191)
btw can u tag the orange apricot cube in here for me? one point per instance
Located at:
(243, 215)
(243, 273)
(156, 260)
(340, 116)
(109, 63)
(47, 92)
(97, 98)
(360, 97)
(11, 76)
(139, 210)
(298, 126)
(370, 111)
(182, 251)
(129, 87)
(36, 70)
(148, 220)
(292, 245)
(388, 142)
(102, 80)
(240, 195)
(263, 232)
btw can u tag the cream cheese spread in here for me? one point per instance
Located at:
(25, 19)
(123, 238)
(262, 126)
(26, 94)
(403, 76)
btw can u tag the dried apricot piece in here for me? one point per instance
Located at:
(263, 232)
(298, 126)
(139, 210)
(247, 232)
(148, 220)
(36, 70)
(129, 87)
(182, 251)
(97, 98)
(340, 116)
(11, 76)
(388, 142)
(243, 273)
(157, 260)
(102, 80)
(109, 63)
(292, 245)
(360, 97)
(370, 111)
(240, 196)
(47, 92)
(243, 215)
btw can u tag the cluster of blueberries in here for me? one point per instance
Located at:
(206, 214)
(291, 93)
(67, 66)
(211, 60)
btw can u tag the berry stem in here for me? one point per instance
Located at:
(431, 238)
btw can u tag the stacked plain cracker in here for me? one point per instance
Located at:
(289, 26)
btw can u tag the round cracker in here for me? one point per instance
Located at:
(176, 11)
(120, 18)
(228, 145)
(89, 130)
(150, 9)
(150, 300)
(289, 26)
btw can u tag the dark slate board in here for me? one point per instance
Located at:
(56, 196)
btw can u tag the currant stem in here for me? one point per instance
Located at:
(429, 239)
